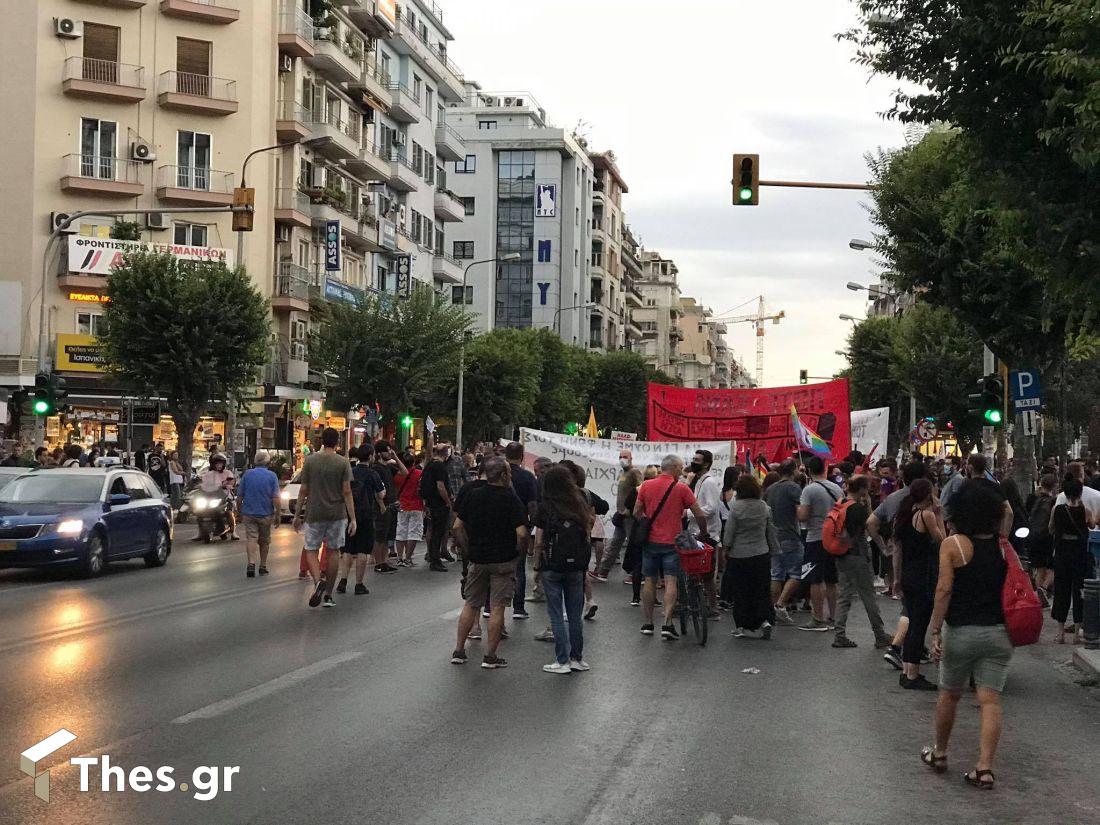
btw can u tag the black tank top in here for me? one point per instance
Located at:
(976, 594)
(919, 557)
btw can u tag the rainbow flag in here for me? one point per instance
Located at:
(761, 469)
(807, 439)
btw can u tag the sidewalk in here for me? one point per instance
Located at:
(1087, 661)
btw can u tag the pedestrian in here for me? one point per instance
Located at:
(436, 495)
(1015, 501)
(261, 511)
(817, 499)
(526, 488)
(783, 498)
(175, 480)
(139, 457)
(1040, 541)
(663, 501)
(598, 507)
(969, 638)
(976, 466)
(706, 484)
(749, 542)
(1090, 496)
(410, 517)
(73, 452)
(564, 518)
(632, 561)
(326, 506)
(918, 529)
(460, 469)
(729, 484)
(491, 524)
(90, 458)
(386, 465)
(854, 568)
(1069, 525)
(629, 480)
(156, 465)
(368, 495)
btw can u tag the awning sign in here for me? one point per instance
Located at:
(79, 353)
(98, 256)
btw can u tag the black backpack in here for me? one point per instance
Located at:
(568, 548)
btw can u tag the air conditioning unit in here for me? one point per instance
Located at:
(156, 221)
(142, 150)
(57, 218)
(68, 28)
(509, 101)
(519, 101)
(402, 214)
(286, 63)
(282, 234)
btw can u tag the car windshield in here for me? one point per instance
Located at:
(47, 488)
(6, 479)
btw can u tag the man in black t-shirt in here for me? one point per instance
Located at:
(437, 498)
(491, 524)
(385, 526)
(368, 494)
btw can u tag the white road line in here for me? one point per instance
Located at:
(451, 615)
(266, 689)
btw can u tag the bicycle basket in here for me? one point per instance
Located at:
(697, 562)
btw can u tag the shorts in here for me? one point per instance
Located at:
(410, 525)
(787, 566)
(979, 651)
(818, 567)
(257, 530)
(660, 560)
(385, 525)
(363, 540)
(497, 581)
(330, 533)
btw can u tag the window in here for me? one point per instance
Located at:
(429, 102)
(438, 242)
(135, 487)
(429, 233)
(193, 157)
(384, 64)
(414, 231)
(193, 66)
(468, 205)
(486, 125)
(456, 295)
(467, 166)
(97, 148)
(381, 274)
(418, 158)
(87, 323)
(191, 234)
(464, 250)
(429, 168)
(417, 85)
(100, 53)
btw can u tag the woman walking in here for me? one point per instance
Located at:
(1069, 525)
(748, 541)
(918, 529)
(175, 480)
(969, 638)
(729, 485)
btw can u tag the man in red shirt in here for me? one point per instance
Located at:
(663, 500)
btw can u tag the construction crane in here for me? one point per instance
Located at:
(757, 320)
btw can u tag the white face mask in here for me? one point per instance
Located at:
(624, 463)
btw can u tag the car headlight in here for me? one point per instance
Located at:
(201, 504)
(70, 527)
(285, 495)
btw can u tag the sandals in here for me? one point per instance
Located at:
(929, 758)
(980, 779)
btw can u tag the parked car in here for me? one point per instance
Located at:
(9, 473)
(83, 518)
(290, 495)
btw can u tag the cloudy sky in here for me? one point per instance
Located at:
(674, 88)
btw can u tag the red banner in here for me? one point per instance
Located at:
(759, 419)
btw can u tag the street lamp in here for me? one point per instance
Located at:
(852, 318)
(560, 310)
(511, 256)
(861, 246)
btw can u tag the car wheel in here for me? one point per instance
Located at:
(158, 555)
(96, 557)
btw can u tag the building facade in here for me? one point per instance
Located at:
(607, 318)
(658, 318)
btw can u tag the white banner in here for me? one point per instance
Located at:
(871, 427)
(98, 256)
(600, 456)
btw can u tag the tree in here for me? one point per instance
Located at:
(194, 332)
(566, 373)
(398, 353)
(501, 383)
(872, 379)
(619, 391)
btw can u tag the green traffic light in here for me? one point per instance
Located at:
(41, 407)
(745, 193)
(993, 416)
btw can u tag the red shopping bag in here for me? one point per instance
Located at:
(1023, 613)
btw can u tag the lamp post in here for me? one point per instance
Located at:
(511, 256)
(560, 310)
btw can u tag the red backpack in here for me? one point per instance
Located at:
(834, 536)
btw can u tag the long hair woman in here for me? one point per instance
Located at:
(918, 530)
(729, 493)
(1069, 525)
(969, 638)
(749, 541)
(563, 508)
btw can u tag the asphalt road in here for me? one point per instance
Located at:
(355, 715)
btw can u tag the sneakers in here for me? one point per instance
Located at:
(520, 614)
(714, 616)
(629, 580)
(361, 589)
(484, 613)
(925, 656)
(766, 630)
(546, 636)
(635, 602)
(535, 597)
(318, 591)
(458, 657)
(920, 683)
(893, 656)
(815, 626)
(328, 602)
(883, 642)
(668, 633)
(843, 641)
(724, 606)
(597, 577)
(579, 665)
(782, 615)
(445, 555)
(302, 574)
(751, 634)
(590, 613)
(493, 662)
(437, 567)
(263, 570)
(737, 633)
(384, 568)
(342, 586)
(647, 630)
(475, 632)
(250, 571)
(557, 667)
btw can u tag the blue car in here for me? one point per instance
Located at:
(83, 518)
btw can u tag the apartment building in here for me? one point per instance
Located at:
(526, 189)
(607, 318)
(633, 300)
(697, 365)
(659, 317)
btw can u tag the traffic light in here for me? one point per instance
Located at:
(803, 376)
(242, 221)
(42, 404)
(746, 180)
(987, 403)
(406, 420)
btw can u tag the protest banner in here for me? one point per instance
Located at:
(870, 427)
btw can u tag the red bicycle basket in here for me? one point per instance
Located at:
(697, 562)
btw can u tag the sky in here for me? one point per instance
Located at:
(675, 88)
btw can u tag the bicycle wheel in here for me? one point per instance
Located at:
(696, 611)
(704, 608)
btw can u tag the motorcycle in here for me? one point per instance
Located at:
(213, 514)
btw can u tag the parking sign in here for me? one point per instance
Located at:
(1027, 393)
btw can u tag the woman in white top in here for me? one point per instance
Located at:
(175, 480)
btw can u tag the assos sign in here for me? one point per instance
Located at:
(332, 246)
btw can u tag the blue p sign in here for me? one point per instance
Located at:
(1027, 394)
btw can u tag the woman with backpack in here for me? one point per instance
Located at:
(1040, 543)
(562, 554)
(749, 541)
(1069, 525)
(918, 529)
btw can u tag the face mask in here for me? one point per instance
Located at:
(696, 467)
(624, 463)
(948, 470)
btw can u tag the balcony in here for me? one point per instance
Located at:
(404, 106)
(195, 186)
(448, 208)
(121, 4)
(633, 331)
(291, 288)
(632, 294)
(292, 122)
(403, 177)
(333, 137)
(448, 143)
(295, 32)
(101, 176)
(337, 55)
(370, 164)
(203, 11)
(446, 268)
(676, 331)
(294, 207)
(198, 93)
(103, 80)
(407, 40)
(374, 83)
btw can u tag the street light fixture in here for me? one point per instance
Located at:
(861, 246)
(511, 256)
(852, 318)
(560, 310)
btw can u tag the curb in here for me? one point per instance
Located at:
(1087, 661)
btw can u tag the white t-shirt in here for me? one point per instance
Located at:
(1090, 498)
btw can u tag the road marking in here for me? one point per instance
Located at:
(451, 615)
(266, 689)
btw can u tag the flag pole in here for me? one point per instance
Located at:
(790, 434)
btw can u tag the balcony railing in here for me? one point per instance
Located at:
(196, 178)
(104, 71)
(292, 281)
(353, 47)
(434, 48)
(292, 20)
(198, 85)
(292, 199)
(403, 89)
(376, 72)
(352, 128)
(102, 168)
(293, 110)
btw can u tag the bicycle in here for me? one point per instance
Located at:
(695, 565)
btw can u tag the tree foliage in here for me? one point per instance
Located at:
(619, 391)
(195, 332)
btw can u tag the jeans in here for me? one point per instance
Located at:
(565, 590)
(521, 584)
(611, 555)
(439, 516)
(750, 581)
(856, 579)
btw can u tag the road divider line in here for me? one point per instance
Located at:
(246, 697)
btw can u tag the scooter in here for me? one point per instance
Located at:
(212, 513)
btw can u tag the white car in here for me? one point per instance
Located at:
(290, 495)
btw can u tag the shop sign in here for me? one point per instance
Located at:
(546, 200)
(92, 414)
(79, 353)
(144, 414)
(89, 297)
(336, 291)
(387, 11)
(387, 234)
(332, 246)
(98, 256)
(315, 408)
(337, 422)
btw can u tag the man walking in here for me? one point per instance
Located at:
(819, 568)
(784, 497)
(491, 524)
(329, 513)
(368, 494)
(385, 464)
(854, 567)
(437, 498)
(261, 510)
(623, 517)
(157, 466)
(526, 489)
